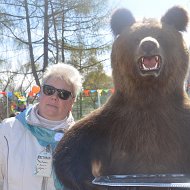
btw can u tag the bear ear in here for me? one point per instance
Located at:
(120, 19)
(177, 17)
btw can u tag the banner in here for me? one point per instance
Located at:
(36, 90)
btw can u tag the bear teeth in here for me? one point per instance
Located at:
(156, 58)
(150, 68)
(150, 63)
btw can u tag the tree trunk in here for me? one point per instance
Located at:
(46, 34)
(62, 41)
(30, 44)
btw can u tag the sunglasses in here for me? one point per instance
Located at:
(50, 90)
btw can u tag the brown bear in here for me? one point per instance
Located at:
(144, 128)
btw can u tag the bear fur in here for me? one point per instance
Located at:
(144, 128)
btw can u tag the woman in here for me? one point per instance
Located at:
(28, 140)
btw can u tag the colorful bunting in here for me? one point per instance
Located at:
(86, 92)
(3, 93)
(36, 89)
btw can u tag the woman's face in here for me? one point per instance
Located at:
(52, 107)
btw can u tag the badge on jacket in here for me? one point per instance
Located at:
(44, 163)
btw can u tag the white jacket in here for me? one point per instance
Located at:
(18, 153)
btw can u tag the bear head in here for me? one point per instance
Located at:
(149, 55)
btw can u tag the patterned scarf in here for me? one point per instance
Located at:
(44, 136)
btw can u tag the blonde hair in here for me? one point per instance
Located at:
(65, 72)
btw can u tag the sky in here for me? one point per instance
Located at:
(149, 8)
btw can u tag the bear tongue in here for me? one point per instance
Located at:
(149, 63)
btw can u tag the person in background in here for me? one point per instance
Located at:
(27, 141)
(21, 104)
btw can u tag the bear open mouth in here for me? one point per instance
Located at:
(150, 63)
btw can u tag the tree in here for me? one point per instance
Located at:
(38, 33)
(49, 29)
(95, 80)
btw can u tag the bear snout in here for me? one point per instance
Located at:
(149, 46)
(149, 57)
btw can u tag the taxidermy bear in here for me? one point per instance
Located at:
(144, 128)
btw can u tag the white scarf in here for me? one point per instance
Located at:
(35, 119)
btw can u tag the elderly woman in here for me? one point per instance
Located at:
(28, 140)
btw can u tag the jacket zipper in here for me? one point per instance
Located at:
(7, 162)
(44, 183)
(45, 179)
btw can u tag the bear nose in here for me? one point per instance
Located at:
(149, 45)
